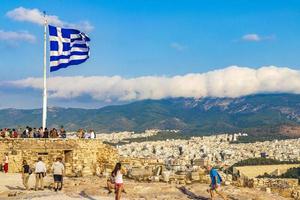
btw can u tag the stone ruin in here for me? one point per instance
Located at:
(155, 170)
(82, 157)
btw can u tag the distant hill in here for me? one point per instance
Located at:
(255, 114)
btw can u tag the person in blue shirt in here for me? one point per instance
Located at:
(216, 181)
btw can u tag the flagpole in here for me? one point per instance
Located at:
(45, 75)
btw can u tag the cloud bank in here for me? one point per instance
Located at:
(232, 81)
(11, 36)
(36, 16)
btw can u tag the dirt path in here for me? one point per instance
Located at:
(93, 188)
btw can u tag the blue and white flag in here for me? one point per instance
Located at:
(67, 47)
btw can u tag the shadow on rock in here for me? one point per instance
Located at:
(85, 195)
(190, 194)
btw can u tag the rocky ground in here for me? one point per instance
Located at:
(93, 188)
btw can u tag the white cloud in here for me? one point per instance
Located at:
(253, 37)
(36, 16)
(232, 81)
(11, 36)
(177, 46)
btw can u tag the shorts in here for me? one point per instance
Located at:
(57, 178)
(40, 174)
(118, 186)
(215, 187)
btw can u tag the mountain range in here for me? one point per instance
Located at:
(255, 114)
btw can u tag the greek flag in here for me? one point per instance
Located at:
(67, 47)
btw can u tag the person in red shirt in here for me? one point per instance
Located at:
(5, 166)
(15, 134)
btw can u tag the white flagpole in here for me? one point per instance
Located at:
(45, 75)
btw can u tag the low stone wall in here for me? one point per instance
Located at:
(274, 182)
(81, 156)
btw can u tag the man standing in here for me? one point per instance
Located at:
(216, 181)
(25, 174)
(58, 170)
(40, 173)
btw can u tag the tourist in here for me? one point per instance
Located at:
(7, 133)
(30, 133)
(58, 170)
(41, 133)
(110, 184)
(55, 133)
(36, 134)
(40, 173)
(63, 133)
(216, 181)
(80, 133)
(93, 135)
(26, 171)
(118, 173)
(25, 133)
(87, 135)
(15, 133)
(46, 133)
(5, 163)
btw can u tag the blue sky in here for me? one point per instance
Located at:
(134, 38)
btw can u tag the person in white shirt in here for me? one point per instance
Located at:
(118, 173)
(87, 135)
(58, 170)
(93, 136)
(40, 173)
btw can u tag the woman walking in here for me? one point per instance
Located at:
(118, 173)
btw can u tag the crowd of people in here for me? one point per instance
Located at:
(86, 134)
(115, 182)
(30, 132)
(40, 171)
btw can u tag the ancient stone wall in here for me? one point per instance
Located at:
(81, 156)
